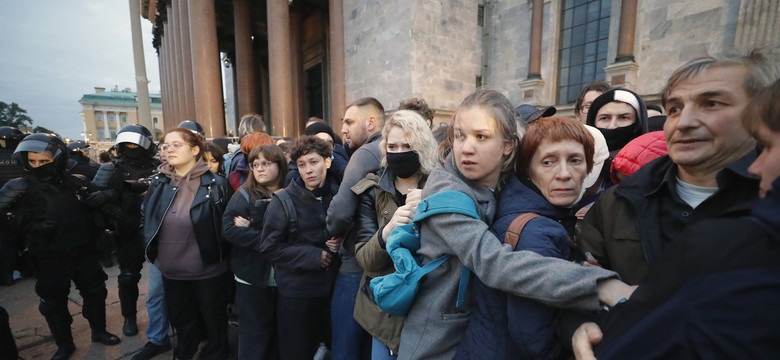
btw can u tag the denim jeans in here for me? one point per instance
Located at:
(157, 329)
(350, 341)
(380, 352)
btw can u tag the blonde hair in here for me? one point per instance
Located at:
(417, 133)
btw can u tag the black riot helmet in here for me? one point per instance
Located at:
(194, 127)
(78, 145)
(43, 143)
(10, 137)
(138, 135)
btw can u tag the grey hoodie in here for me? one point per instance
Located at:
(433, 327)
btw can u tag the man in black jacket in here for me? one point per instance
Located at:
(120, 202)
(715, 291)
(46, 205)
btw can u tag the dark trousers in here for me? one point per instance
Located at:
(53, 277)
(8, 348)
(303, 323)
(198, 309)
(130, 255)
(257, 322)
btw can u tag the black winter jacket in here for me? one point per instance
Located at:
(206, 214)
(245, 259)
(712, 295)
(297, 260)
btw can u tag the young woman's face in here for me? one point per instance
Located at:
(177, 151)
(558, 170)
(212, 162)
(266, 172)
(396, 141)
(313, 168)
(478, 146)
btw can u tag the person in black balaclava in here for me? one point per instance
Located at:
(79, 162)
(120, 202)
(621, 115)
(59, 228)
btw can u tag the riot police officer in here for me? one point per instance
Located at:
(79, 162)
(120, 202)
(59, 228)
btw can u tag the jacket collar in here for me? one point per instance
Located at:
(661, 174)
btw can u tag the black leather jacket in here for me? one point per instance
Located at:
(206, 214)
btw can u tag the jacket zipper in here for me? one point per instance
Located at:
(146, 251)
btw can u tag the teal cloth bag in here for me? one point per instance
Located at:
(394, 293)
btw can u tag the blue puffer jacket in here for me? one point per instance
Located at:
(504, 326)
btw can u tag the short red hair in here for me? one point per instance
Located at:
(254, 140)
(553, 129)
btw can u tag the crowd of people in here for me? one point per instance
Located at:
(616, 233)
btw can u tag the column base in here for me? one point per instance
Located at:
(532, 91)
(622, 74)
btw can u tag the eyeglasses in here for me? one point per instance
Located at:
(172, 146)
(585, 107)
(257, 165)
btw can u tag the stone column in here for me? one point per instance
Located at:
(246, 93)
(296, 55)
(144, 114)
(207, 79)
(171, 97)
(280, 70)
(174, 27)
(627, 32)
(336, 63)
(186, 64)
(106, 130)
(535, 58)
(118, 123)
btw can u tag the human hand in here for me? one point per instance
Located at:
(413, 198)
(587, 335)
(241, 221)
(611, 291)
(403, 215)
(590, 261)
(334, 243)
(580, 214)
(325, 259)
(96, 198)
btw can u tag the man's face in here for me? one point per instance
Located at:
(703, 130)
(39, 159)
(767, 165)
(587, 100)
(354, 127)
(615, 115)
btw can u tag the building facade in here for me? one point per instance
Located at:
(292, 59)
(104, 113)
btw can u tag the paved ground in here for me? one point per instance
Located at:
(34, 339)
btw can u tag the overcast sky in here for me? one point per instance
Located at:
(53, 52)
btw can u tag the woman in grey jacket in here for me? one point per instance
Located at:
(482, 141)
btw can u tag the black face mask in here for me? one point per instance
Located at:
(133, 154)
(43, 172)
(618, 138)
(403, 164)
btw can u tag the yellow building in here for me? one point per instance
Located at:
(106, 112)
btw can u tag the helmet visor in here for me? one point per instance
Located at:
(38, 146)
(133, 138)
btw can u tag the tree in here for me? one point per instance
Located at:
(41, 129)
(13, 115)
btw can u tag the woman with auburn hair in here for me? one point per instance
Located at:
(388, 199)
(555, 156)
(182, 218)
(242, 223)
(240, 171)
(478, 152)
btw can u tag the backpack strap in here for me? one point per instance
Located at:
(289, 211)
(512, 235)
(245, 194)
(448, 201)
